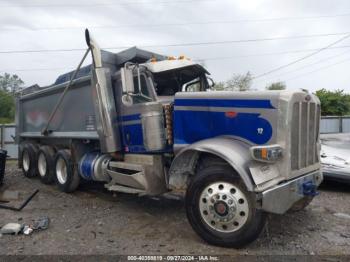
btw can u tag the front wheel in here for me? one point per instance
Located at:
(221, 210)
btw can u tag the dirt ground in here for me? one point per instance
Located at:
(94, 221)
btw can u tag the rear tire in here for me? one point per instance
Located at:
(28, 158)
(46, 164)
(66, 173)
(220, 208)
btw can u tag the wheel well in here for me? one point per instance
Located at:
(187, 164)
(209, 159)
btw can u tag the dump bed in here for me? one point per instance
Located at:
(74, 118)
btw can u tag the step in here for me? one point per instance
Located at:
(124, 189)
(126, 174)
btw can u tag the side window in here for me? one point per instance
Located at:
(143, 89)
(141, 93)
(192, 86)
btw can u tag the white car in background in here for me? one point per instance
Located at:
(335, 156)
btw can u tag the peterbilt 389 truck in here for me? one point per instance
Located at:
(151, 125)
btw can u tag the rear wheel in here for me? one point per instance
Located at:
(66, 174)
(46, 164)
(221, 210)
(29, 160)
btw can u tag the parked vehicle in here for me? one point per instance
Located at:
(335, 157)
(147, 124)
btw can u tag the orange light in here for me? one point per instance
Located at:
(264, 153)
(153, 60)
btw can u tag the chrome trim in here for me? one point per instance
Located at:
(281, 198)
(223, 207)
(80, 135)
(235, 152)
(106, 112)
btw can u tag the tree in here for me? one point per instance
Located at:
(240, 82)
(7, 107)
(10, 83)
(219, 86)
(276, 86)
(334, 103)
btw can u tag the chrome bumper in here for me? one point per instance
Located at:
(282, 197)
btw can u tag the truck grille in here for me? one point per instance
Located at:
(304, 136)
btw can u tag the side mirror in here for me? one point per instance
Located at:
(127, 80)
(212, 82)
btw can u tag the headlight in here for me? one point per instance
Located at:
(269, 153)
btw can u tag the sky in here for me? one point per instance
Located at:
(229, 36)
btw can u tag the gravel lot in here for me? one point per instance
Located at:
(94, 221)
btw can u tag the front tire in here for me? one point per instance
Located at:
(66, 174)
(221, 210)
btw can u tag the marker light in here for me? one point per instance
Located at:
(269, 153)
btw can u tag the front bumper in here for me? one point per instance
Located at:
(281, 198)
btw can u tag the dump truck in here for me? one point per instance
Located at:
(153, 125)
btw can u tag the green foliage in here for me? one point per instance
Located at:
(276, 86)
(240, 82)
(10, 83)
(7, 108)
(334, 103)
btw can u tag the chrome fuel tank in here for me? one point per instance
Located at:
(153, 130)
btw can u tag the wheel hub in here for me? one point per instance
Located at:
(61, 171)
(42, 164)
(223, 207)
(26, 161)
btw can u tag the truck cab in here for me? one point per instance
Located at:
(152, 125)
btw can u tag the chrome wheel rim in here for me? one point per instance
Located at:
(223, 207)
(42, 164)
(61, 171)
(25, 161)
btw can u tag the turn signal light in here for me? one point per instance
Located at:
(269, 153)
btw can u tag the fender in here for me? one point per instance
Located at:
(234, 152)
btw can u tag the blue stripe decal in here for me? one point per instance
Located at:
(242, 103)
